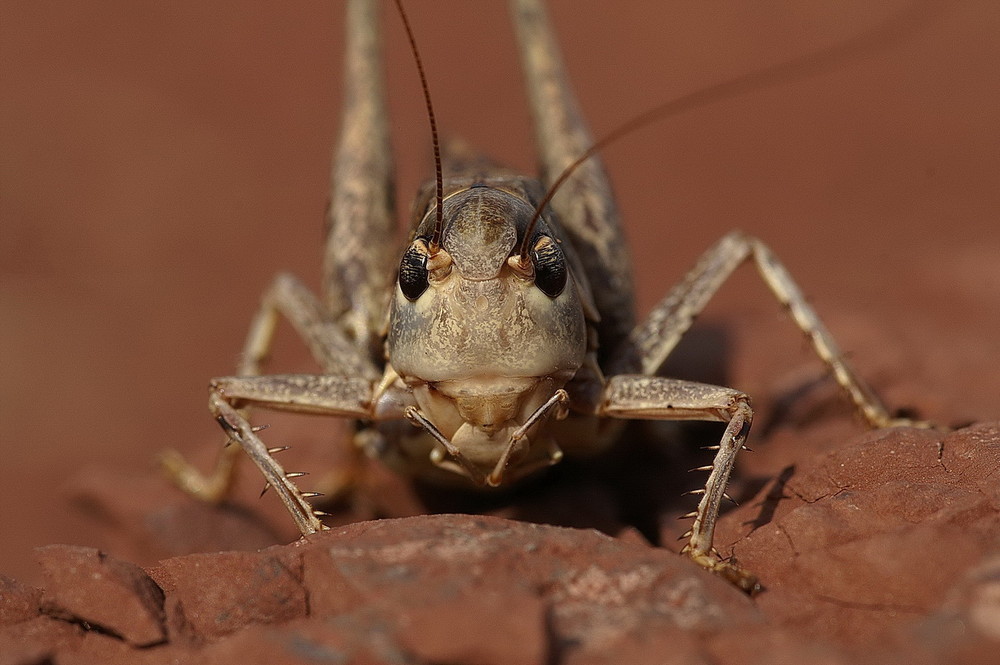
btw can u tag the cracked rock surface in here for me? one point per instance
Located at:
(885, 549)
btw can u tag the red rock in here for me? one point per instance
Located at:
(974, 454)
(451, 628)
(778, 647)
(489, 578)
(18, 602)
(871, 536)
(95, 647)
(878, 457)
(36, 641)
(211, 595)
(349, 639)
(146, 519)
(880, 550)
(966, 626)
(86, 585)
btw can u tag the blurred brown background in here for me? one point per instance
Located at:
(160, 162)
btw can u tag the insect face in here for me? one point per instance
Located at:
(484, 342)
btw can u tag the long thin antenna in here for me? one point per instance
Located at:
(435, 242)
(878, 38)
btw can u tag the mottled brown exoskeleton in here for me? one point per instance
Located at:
(507, 342)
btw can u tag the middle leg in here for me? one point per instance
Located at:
(327, 344)
(659, 398)
(652, 341)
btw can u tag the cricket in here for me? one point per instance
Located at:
(502, 336)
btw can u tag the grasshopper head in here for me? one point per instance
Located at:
(485, 343)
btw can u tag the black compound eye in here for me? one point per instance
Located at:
(413, 271)
(550, 266)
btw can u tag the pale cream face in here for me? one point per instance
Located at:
(482, 346)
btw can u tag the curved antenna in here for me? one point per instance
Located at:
(811, 64)
(435, 242)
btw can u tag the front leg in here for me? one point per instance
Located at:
(658, 398)
(241, 431)
(345, 396)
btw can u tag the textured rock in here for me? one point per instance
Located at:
(18, 602)
(873, 535)
(453, 630)
(85, 585)
(966, 625)
(37, 641)
(153, 524)
(486, 577)
(347, 639)
(211, 595)
(884, 549)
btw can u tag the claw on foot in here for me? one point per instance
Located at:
(729, 571)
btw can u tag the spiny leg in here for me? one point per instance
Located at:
(240, 430)
(309, 393)
(659, 398)
(328, 346)
(652, 341)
